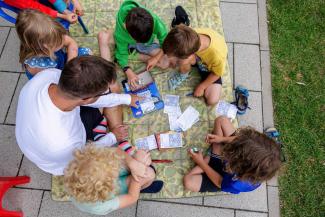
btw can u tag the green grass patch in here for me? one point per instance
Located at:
(297, 37)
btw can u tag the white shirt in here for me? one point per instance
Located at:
(47, 135)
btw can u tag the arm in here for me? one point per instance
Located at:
(72, 47)
(152, 62)
(111, 100)
(132, 196)
(160, 30)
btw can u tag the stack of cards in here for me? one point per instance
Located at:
(173, 110)
(226, 109)
(147, 103)
(160, 141)
(188, 118)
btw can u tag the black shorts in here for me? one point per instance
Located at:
(207, 185)
(90, 117)
(204, 72)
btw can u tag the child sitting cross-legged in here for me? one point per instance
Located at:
(99, 181)
(135, 32)
(44, 43)
(239, 161)
(204, 48)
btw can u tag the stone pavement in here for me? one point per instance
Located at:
(245, 26)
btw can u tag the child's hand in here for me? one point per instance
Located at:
(137, 169)
(211, 138)
(197, 157)
(134, 100)
(143, 157)
(71, 17)
(152, 62)
(133, 79)
(78, 9)
(120, 132)
(199, 91)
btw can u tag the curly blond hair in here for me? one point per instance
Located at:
(91, 176)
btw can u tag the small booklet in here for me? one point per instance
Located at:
(188, 118)
(226, 109)
(160, 141)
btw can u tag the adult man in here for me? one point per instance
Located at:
(50, 123)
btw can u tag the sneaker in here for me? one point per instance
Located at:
(181, 17)
(155, 187)
(274, 134)
(176, 80)
(241, 96)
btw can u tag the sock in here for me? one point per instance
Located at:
(100, 130)
(127, 147)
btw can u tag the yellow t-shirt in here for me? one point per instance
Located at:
(215, 55)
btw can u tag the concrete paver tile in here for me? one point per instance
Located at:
(240, 22)
(25, 200)
(39, 178)
(247, 66)
(155, 209)
(10, 152)
(273, 201)
(255, 200)
(3, 36)
(52, 208)
(253, 116)
(8, 83)
(11, 117)
(185, 200)
(9, 60)
(240, 213)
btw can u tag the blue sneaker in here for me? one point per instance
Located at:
(241, 96)
(177, 79)
(274, 134)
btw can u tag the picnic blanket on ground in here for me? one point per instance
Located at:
(100, 14)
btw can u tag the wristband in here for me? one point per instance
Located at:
(125, 68)
(127, 147)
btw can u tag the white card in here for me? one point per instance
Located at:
(146, 143)
(188, 118)
(226, 109)
(171, 104)
(171, 140)
(147, 103)
(173, 124)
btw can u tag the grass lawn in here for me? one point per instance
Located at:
(297, 36)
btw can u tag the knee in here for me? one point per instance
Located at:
(221, 120)
(189, 184)
(104, 36)
(212, 101)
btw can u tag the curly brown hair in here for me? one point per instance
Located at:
(252, 156)
(91, 175)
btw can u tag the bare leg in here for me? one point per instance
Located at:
(105, 38)
(193, 180)
(222, 127)
(144, 182)
(212, 94)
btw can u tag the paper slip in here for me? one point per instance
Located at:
(171, 103)
(171, 140)
(226, 109)
(146, 143)
(147, 103)
(173, 124)
(188, 118)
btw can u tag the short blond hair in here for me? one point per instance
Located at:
(92, 175)
(39, 34)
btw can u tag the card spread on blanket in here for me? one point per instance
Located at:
(226, 109)
(160, 141)
(173, 110)
(188, 118)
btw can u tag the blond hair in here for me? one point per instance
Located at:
(39, 34)
(92, 175)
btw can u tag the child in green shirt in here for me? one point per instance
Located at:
(136, 29)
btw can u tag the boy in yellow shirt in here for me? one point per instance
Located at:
(204, 48)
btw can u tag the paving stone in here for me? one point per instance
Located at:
(231, 60)
(8, 83)
(273, 181)
(9, 60)
(247, 66)
(262, 25)
(4, 22)
(11, 117)
(156, 209)
(186, 200)
(253, 116)
(240, 1)
(28, 201)
(52, 208)
(255, 200)
(10, 152)
(266, 89)
(240, 213)
(273, 201)
(3, 36)
(39, 178)
(240, 22)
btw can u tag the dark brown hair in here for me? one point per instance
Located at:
(252, 156)
(181, 42)
(39, 34)
(87, 76)
(139, 23)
